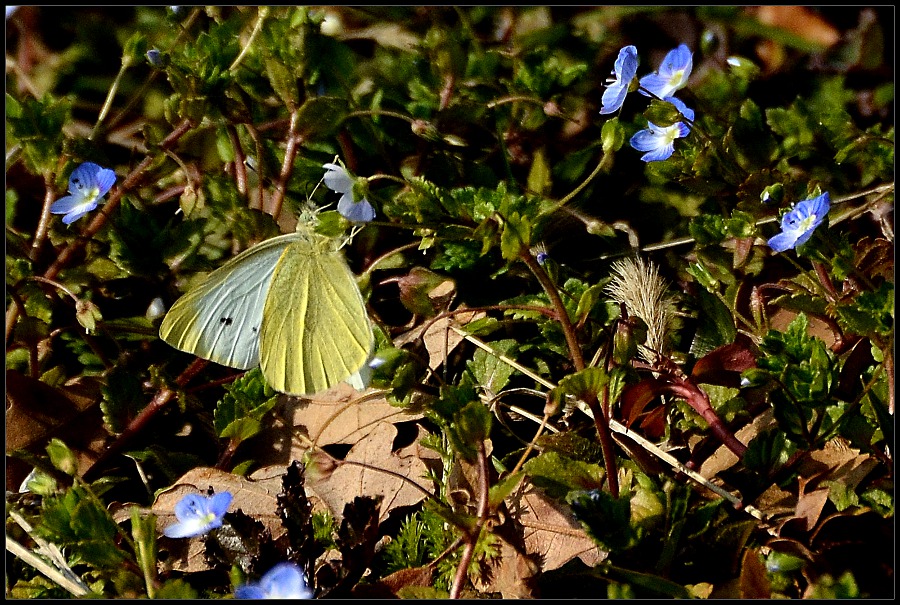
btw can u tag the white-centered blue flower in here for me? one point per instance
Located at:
(797, 226)
(672, 75)
(197, 514)
(617, 86)
(339, 180)
(87, 185)
(284, 581)
(658, 142)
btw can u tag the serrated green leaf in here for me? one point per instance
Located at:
(490, 372)
(238, 415)
(558, 474)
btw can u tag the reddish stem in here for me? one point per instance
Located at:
(163, 397)
(699, 400)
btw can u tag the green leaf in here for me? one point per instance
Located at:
(515, 238)
(540, 175)
(321, 116)
(504, 488)
(870, 314)
(37, 125)
(662, 113)
(715, 325)
(607, 520)
(176, 589)
(62, 457)
(613, 135)
(490, 372)
(586, 383)
(240, 412)
(826, 587)
(559, 475)
(768, 451)
(143, 530)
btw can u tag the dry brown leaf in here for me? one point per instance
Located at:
(809, 507)
(403, 578)
(462, 480)
(838, 461)
(255, 496)
(438, 338)
(775, 501)
(723, 458)
(754, 581)
(37, 412)
(351, 480)
(511, 573)
(799, 20)
(552, 532)
(342, 415)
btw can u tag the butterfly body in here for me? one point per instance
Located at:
(289, 304)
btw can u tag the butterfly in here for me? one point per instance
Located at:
(289, 304)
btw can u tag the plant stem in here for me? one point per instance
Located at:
(126, 63)
(561, 312)
(287, 166)
(163, 397)
(600, 165)
(471, 538)
(601, 422)
(41, 234)
(257, 27)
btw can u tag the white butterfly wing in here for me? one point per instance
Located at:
(316, 330)
(220, 320)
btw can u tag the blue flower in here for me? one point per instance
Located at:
(672, 74)
(339, 180)
(659, 141)
(87, 185)
(797, 226)
(198, 514)
(624, 71)
(155, 58)
(284, 581)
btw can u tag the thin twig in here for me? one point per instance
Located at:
(60, 572)
(619, 428)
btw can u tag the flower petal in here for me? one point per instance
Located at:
(249, 591)
(782, 241)
(672, 75)
(644, 140)
(73, 207)
(188, 528)
(191, 506)
(105, 180)
(65, 205)
(355, 212)
(337, 178)
(686, 111)
(612, 99)
(218, 503)
(624, 70)
(798, 225)
(285, 581)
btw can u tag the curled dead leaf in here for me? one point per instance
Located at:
(551, 532)
(372, 469)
